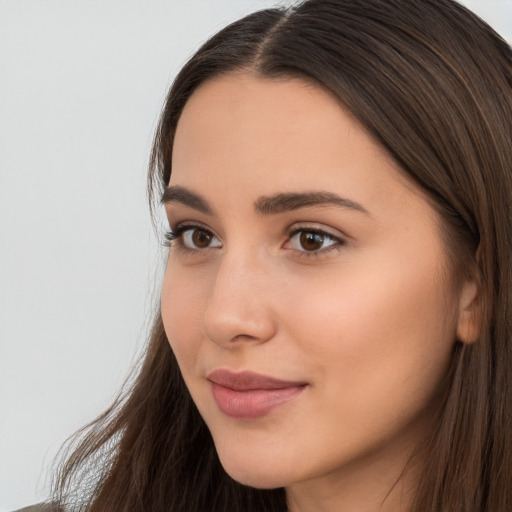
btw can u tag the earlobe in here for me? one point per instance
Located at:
(470, 312)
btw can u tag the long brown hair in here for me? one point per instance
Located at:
(433, 84)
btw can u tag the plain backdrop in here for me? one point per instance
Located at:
(81, 86)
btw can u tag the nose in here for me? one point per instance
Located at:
(239, 306)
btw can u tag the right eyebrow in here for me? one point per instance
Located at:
(177, 194)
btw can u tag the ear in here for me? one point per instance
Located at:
(470, 312)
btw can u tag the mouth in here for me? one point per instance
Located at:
(248, 395)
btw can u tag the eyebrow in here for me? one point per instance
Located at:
(186, 197)
(265, 205)
(280, 203)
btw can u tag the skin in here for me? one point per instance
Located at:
(368, 321)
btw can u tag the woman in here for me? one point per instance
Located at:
(335, 323)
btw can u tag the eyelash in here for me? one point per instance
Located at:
(174, 238)
(335, 247)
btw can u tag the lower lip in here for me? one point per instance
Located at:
(252, 404)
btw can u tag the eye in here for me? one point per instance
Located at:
(199, 238)
(311, 240)
(193, 238)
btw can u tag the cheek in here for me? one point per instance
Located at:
(382, 332)
(181, 307)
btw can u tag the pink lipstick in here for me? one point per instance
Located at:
(247, 395)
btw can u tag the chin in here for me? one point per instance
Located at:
(258, 480)
(258, 474)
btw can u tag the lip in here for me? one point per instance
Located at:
(247, 395)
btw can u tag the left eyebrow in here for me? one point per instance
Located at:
(279, 203)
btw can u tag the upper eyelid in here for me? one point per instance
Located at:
(297, 228)
(290, 231)
(184, 225)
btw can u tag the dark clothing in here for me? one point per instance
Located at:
(41, 507)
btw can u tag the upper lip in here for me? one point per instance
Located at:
(246, 381)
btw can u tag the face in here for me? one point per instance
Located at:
(307, 296)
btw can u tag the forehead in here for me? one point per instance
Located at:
(249, 110)
(242, 133)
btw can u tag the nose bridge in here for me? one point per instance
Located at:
(239, 305)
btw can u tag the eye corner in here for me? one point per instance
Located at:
(168, 237)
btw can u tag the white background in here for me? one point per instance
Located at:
(81, 86)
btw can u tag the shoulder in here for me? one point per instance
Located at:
(41, 507)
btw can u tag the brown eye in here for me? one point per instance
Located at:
(311, 241)
(199, 238)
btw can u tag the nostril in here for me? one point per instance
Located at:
(238, 323)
